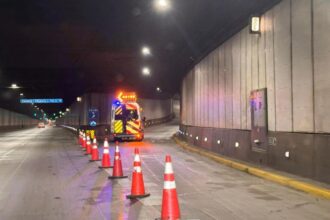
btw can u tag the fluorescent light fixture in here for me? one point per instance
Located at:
(255, 24)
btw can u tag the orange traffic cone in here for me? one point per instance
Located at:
(137, 190)
(95, 151)
(80, 138)
(170, 204)
(117, 172)
(84, 142)
(106, 162)
(88, 146)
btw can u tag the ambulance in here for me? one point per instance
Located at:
(126, 122)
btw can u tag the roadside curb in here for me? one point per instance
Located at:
(285, 181)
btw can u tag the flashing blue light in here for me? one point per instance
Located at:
(117, 102)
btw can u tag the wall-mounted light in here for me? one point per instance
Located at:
(255, 24)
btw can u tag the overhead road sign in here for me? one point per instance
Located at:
(41, 101)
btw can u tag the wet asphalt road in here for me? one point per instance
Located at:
(45, 175)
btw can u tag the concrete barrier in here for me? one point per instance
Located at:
(13, 120)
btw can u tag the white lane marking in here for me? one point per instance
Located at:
(6, 154)
(13, 173)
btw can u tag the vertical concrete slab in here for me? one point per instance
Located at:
(322, 64)
(270, 71)
(283, 74)
(191, 100)
(187, 112)
(262, 54)
(302, 69)
(204, 112)
(248, 78)
(210, 89)
(199, 94)
(216, 99)
(196, 94)
(184, 102)
(254, 61)
(1, 117)
(222, 88)
(243, 65)
(210, 97)
(229, 83)
(236, 81)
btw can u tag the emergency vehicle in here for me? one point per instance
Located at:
(126, 123)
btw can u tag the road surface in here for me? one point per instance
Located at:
(45, 175)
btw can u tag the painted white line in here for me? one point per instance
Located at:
(13, 173)
(6, 154)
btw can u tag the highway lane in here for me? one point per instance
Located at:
(44, 175)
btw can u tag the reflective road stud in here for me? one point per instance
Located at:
(137, 190)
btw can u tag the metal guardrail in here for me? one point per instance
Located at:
(158, 121)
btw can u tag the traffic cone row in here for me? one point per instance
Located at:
(170, 204)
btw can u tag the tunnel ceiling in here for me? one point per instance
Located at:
(63, 48)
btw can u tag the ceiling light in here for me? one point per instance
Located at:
(158, 89)
(14, 86)
(21, 94)
(79, 99)
(146, 71)
(162, 5)
(146, 51)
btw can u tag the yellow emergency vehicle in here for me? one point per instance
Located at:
(126, 123)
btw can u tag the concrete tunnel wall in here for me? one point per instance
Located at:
(9, 119)
(290, 58)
